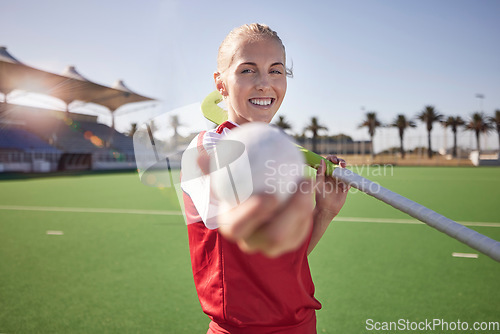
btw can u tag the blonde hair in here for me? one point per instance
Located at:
(251, 32)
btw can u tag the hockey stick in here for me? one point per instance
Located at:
(481, 243)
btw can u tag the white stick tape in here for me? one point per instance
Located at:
(455, 230)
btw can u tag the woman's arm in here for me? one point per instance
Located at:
(330, 198)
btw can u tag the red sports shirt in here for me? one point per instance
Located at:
(244, 293)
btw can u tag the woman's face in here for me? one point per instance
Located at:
(255, 83)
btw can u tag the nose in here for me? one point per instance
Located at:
(263, 82)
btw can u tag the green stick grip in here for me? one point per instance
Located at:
(314, 160)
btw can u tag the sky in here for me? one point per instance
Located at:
(349, 57)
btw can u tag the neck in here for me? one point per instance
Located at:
(233, 117)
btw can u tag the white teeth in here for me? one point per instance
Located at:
(261, 102)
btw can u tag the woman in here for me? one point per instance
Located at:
(250, 264)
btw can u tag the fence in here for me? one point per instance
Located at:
(39, 161)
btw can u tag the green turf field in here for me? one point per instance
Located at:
(122, 263)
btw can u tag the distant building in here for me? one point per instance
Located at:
(339, 146)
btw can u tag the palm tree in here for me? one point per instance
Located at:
(372, 123)
(402, 124)
(454, 122)
(175, 123)
(495, 122)
(314, 127)
(428, 116)
(479, 124)
(283, 123)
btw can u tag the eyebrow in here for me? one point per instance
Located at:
(254, 64)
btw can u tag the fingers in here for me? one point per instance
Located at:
(320, 173)
(322, 178)
(330, 192)
(243, 220)
(341, 162)
(287, 229)
(336, 160)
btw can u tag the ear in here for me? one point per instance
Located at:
(219, 84)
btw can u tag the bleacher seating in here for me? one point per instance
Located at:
(29, 135)
(13, 138)
(114, 140)
(67, 138)
(73, 136)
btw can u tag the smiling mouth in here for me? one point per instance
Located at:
(262, 102)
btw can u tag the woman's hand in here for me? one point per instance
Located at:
(263, 224)
(330, 193)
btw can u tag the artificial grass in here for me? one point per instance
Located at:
(388, 272)
(130, 273)
(108, 273)
(459, 193)
(121, 190)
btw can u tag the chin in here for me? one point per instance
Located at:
(264, 119)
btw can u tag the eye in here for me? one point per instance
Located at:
(276, 71)
(247, 70)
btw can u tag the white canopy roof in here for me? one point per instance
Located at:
(68, 87)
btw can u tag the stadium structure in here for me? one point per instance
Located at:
(42, 140)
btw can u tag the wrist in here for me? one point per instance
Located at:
(323, 215)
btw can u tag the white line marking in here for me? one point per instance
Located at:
(179, 213)
(55, 233)
(89, 210)
(466, 255)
